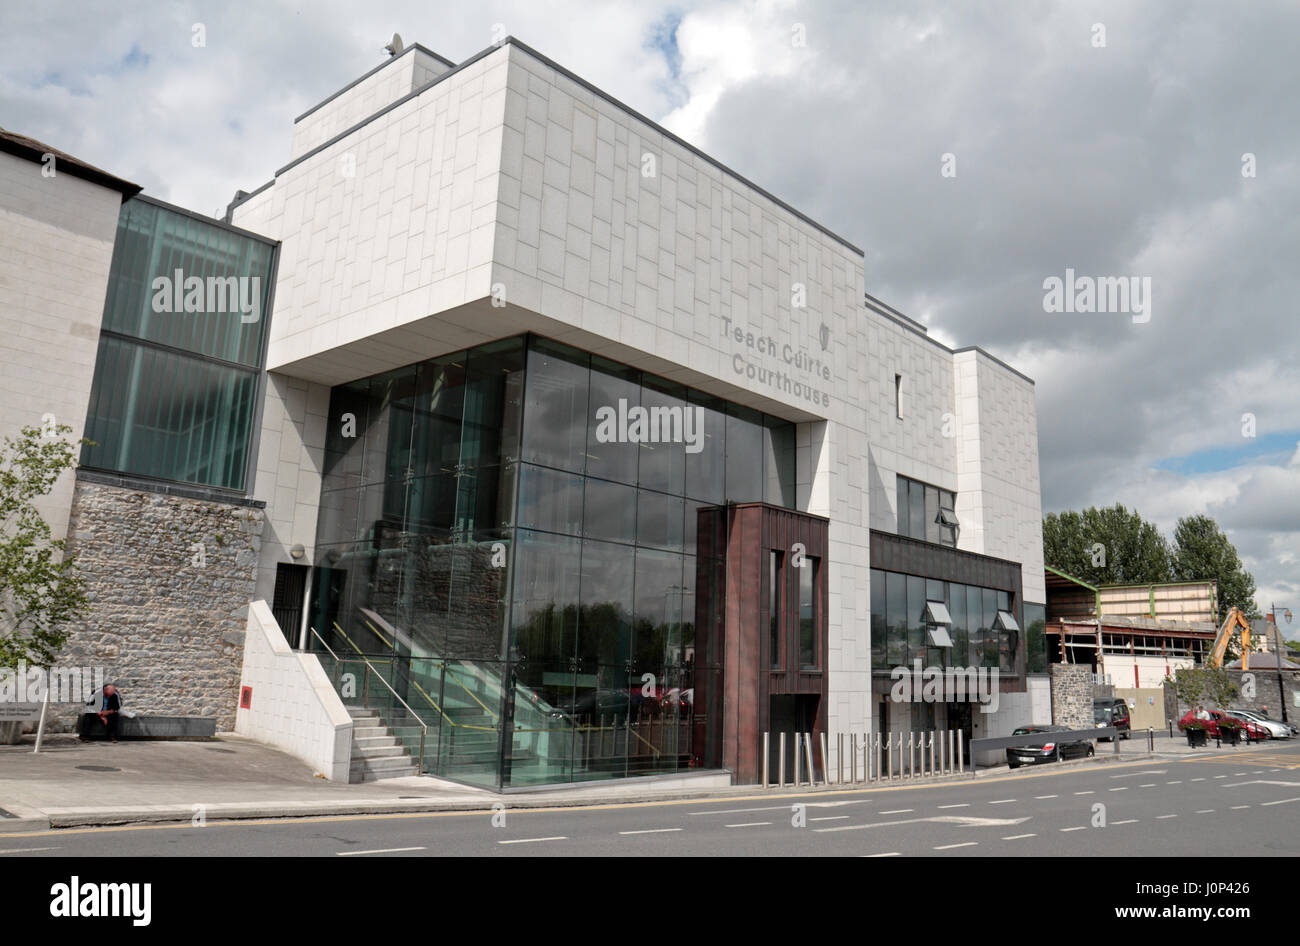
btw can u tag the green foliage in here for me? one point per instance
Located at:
(1202, 551)
(40, 590)
(1114, 546)
(1201, 685)
(1131, 551)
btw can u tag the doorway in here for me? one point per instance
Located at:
(792, 714)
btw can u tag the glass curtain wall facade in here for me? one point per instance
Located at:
(898, 626)
(180, 349)
(511, 532)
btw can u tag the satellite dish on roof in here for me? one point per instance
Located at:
(395, 45)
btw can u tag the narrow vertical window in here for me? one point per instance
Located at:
(898, 395)
(808, 614)
(774, 608)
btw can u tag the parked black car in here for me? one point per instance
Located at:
(1112, 712)
(1049, 752)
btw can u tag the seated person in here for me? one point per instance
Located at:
(106, 707)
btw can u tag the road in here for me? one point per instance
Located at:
(1243, 804)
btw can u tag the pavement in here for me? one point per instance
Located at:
(73, 784)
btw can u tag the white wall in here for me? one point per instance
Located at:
(294, 706)
(56, 245)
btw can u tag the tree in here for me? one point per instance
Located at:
(1196, 686)
(40, 589)
(1106, 546)
(1202, 552)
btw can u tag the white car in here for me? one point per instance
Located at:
(1277, 730)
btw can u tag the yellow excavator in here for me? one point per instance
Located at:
(1236, 619)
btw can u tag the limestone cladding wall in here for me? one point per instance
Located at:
(56, 244)
(167, 627)
(1072, 695)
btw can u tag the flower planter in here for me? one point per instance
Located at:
(1231, 737)
(1196, 737)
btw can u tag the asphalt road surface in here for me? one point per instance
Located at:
(1244, 804)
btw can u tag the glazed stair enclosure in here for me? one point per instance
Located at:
(444, 718)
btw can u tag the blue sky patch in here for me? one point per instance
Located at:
(1270, 449)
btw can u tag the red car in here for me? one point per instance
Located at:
(1251, 728)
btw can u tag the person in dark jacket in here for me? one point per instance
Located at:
(106, 707)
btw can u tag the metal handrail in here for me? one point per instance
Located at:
(424, 727)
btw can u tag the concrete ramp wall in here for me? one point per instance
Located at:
(293, 706)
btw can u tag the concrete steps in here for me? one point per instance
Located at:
(376, 751)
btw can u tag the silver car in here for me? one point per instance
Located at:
(1276, 729)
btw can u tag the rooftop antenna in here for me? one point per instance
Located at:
(394, 46)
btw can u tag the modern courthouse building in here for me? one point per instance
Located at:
(601, 455)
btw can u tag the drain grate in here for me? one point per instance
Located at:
(98, 768)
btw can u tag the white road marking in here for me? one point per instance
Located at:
(830, 818)
(1124, 789)
(1163, 817)
(1147, 772)
(1206, 811)
(25, 850)
(964, 820)
(1017, 837)
(1075, 829)
(898, 811)
(1177, 781)
(386, 850)
(651, 831)
(942, 807)
(749, 824)
(1042, 797)
(1220, 776)
(949, 847)
(1002, 801)
(533, 840)
(1263, 781)
(1239, 807)
(1085, 793)
(1282, 802)
(1126, 821)
(1198, 780)
(886, 854)
(1238, 773)
(1148, 785)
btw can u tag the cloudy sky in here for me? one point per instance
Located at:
(1155, 140)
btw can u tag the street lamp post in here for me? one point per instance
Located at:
(1277, 656)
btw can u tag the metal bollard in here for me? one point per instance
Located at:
(798, 759)
(853, 756)
(839, 759)
(1151, 740)
(911, 754)
(780, 762)
(961, 762)
(767, 759)
(889, 756)
(808, 746)
(826, 763)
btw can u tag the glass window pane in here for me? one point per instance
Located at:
(659, 520)
(612, 450)
(878, 625)
(705, 471)
(609, 511)
(550, 500)
(916, 643)
(663, 464)
(774, 578)
(989, 602)
(744, 455)
(555, 406)
(808, 574)
(960, 636)
(975, 625)
(901, 505)
(896, 612)
(916, 515)
(931, 514)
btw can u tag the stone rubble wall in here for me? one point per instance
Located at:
(166, 625)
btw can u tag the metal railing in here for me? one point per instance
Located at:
(862, 758)
(424, 727)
